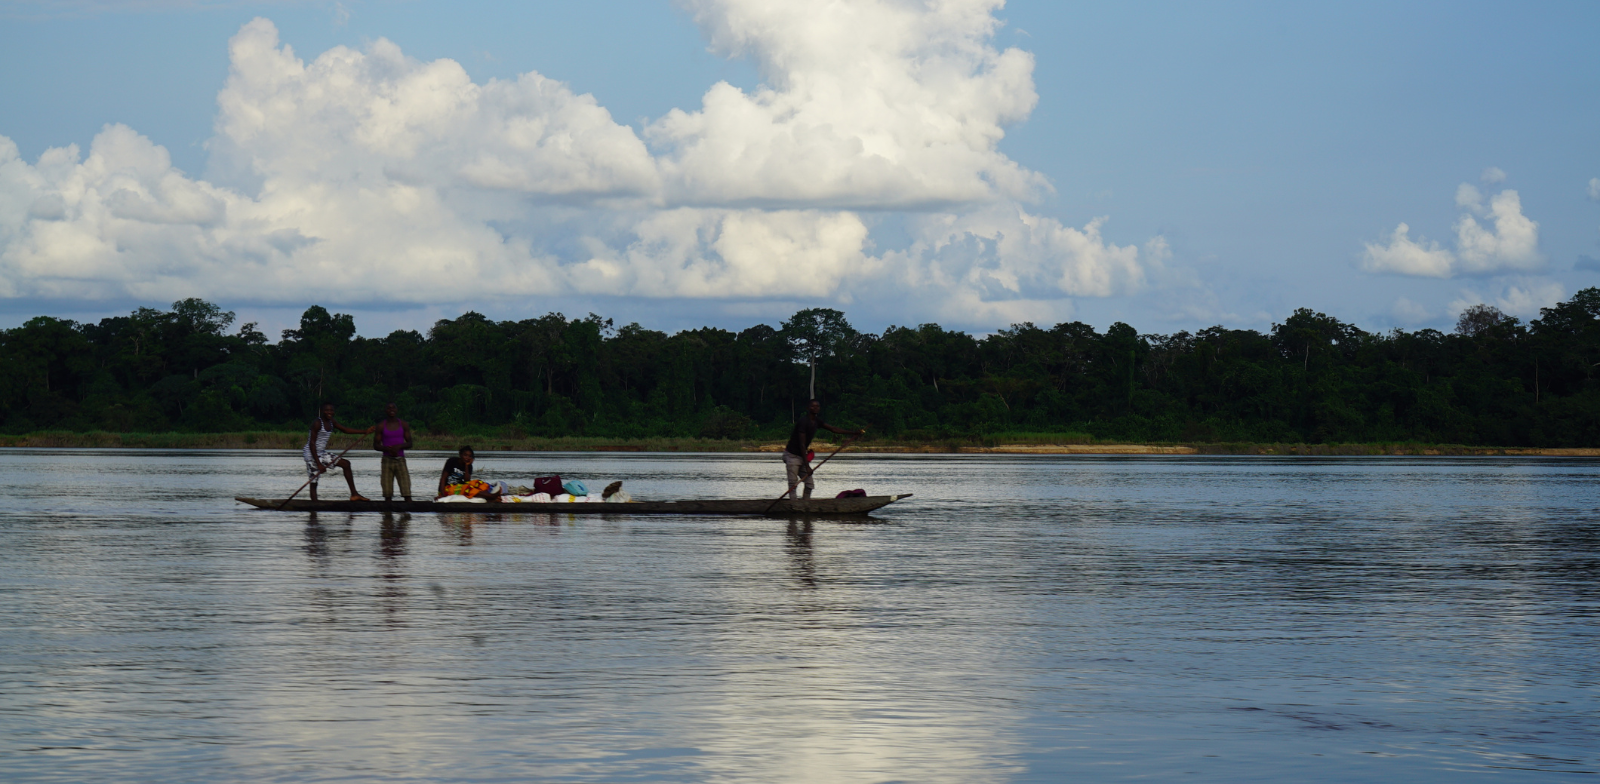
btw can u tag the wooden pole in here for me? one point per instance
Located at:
(812, 472)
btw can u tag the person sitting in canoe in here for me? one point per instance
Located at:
(456, 478)
(319, 460)
(796, 454)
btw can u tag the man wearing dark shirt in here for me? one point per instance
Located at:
(794, 454)
(457, 470)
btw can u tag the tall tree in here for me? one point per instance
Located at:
(316, 348)
(816, 333)
(1480, 319)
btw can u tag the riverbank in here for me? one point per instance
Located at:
(293, 440)
(296, 439)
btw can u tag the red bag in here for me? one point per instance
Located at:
(548, 484)
(856, 493)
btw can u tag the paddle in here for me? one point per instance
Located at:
(320, 472)
(813, 471)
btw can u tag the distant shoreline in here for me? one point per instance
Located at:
(293, 440)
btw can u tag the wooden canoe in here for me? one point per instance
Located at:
(801, 506)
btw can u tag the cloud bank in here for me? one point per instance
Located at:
(1522, 298)
(866, 105)
(1511, 245)
(365, 176)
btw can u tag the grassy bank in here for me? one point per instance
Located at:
(999, 443)
(1397, 449)
(294, 440)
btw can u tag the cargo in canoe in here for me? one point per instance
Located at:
(859, 505)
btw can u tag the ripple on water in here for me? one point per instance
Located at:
(1019, 619)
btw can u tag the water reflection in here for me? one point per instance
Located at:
(802, 561)
(316, 537)
(391, 554)
(1018, 620)
(458, 527)
(323, 529)
(392, 538)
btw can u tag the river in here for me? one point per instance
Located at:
(1019, 619)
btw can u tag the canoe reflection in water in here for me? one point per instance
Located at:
(460, 524)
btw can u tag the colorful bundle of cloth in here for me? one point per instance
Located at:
(471, 489)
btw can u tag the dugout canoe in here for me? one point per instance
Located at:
(859, 505)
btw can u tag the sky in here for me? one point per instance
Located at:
(728, 162)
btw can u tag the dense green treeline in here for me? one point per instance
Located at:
(1312, 378)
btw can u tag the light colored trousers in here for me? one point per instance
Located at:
(793, 463)
(395, 468)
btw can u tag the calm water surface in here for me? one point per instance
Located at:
(1018, 619)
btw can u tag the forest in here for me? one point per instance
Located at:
(1312, 379)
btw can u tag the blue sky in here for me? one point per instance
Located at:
(1169, 165)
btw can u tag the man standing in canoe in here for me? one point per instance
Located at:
(796, 457)
(316, 452)
(392, 440)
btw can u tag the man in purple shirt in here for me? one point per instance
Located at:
(392, 439)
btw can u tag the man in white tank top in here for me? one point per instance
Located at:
(319, 460)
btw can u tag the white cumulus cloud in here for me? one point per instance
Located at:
(1520, 298)
(1508, 243)
(724, 253)
(1005, 264)
(1513, 243)
(381, 116)
(122, 222)
(1405, 256)
(1594, 188)
(875, 103)
(1006, 253)
(369, 176)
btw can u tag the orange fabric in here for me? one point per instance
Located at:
(470, 489)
